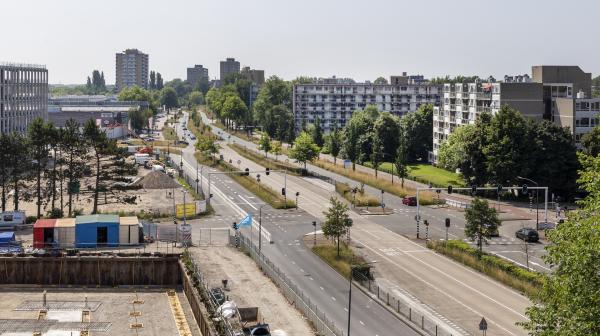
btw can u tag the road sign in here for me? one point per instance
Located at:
(190, 210)
(483, 324)
(383, 205)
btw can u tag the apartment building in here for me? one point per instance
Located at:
(255, 76)
(23, 96)
(333, 100)
(197, 73)
(230, 65)
(131, 69)
(548, 94)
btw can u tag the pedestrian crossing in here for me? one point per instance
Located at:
(268, 217)
(498, 241)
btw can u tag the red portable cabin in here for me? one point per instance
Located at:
(43, 233)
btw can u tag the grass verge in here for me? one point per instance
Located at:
(425, 173)
(328, 253)
(525, 281)
(425, 198)
(237, 133)
(169, 134)
(198, 128)
(265, 162)
(362, 198)
(265, 193)
(189, 188)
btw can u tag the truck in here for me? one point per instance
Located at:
(12, 219)
(142, 158)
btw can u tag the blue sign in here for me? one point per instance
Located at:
(247, 221)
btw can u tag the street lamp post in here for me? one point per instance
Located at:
(297, 194)
(537, 202)
(260, 229)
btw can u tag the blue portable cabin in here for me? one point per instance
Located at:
(97, 231)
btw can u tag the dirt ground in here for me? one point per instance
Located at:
(249, 287)
(154, 201)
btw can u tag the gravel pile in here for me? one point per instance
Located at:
(157, 180)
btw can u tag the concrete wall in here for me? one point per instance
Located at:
(198, 309)
(91, 271)
(524, 97)
(565, 113)
(564, 74)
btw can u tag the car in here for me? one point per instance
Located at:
(528, 235)
(184, 128)
(192, 137)
(410, 200)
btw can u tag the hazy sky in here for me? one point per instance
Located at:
(359, 39)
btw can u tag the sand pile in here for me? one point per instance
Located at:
(157, 180)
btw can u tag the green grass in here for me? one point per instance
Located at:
(265, 162)
(237, 133)
(328, 253)
(425, 198)
(189, 188)
(362, 198)
(169, 134)
(427, 174)
(508, 273)
(265, 193)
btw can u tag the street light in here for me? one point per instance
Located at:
(537, 201)
(260, 229)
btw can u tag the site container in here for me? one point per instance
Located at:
(64, 232)
(97, 231)
(43, 233)
(129, 230)
(7, 237)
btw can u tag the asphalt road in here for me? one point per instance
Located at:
(454, 291)
(321, 284)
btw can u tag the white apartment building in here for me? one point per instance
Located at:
(23, 95)
(334, 100)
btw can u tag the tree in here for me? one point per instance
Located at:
(304, 149)
(207, 146)
(195, 98)
(317, 133)
(418, 127)
(264, 143)
(377, 154)
(88, 85)
(591, 141)
(474, 167)
(508, 147)
(97, 140)
(159, 81)
(234, 109)
(400, 162)
(276, 148)
(453, 151)
(213, 101)
(567, 303)
(139, 119)
(337, 221)
(334, 143)
(152, 83)
(596, 87)
(275, 91)
(358, 134)
(380, 80)
(387, 129)
(482, 222)
(38, 135)
(136, 93)
(20, 161)
(168, 97)
(282, 123)
(5, 149)
(76, 155)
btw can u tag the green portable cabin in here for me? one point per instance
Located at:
(97, 231)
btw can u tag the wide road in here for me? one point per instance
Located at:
(452, 290)
(320, 283)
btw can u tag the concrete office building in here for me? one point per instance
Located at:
(197, 73)
(230, 65)
(131, 69)
(255, 76)
(548, 94)
(23, 95)
(333, 100)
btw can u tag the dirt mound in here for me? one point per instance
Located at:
(157, 180)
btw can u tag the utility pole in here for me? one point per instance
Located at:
(314, 223)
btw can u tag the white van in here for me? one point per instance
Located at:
(142, 158)
(12, 219)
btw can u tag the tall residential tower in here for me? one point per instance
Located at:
(132, 69)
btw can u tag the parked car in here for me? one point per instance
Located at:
(546, 225)
(192, 137)
(528, 235)
(410, 200)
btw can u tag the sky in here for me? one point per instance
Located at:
(318, 38)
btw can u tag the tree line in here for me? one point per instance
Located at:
(55, 160)
(502, 148)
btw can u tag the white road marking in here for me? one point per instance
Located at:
(322, 288)
(361, 322)
(250, 204)
(333, 298)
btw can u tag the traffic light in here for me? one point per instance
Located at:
(449, 189)
(524, 189)
(234, 226)
(247, 172)
(267, 171)
(447, 222)
(473, 189)
(297, 193)
(282, 191)
(499, 187)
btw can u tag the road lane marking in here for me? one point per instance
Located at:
(333, 298)
(245, 200)
(361, 322)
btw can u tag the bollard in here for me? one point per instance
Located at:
(398, 310)
(409, 313)
(422, 322)
(388, 299)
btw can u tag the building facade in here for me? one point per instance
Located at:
(557, 93)
(131, 69)
(23, 96)
(255, 76)
(197, 73)
(230, 65)
(334, 100)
